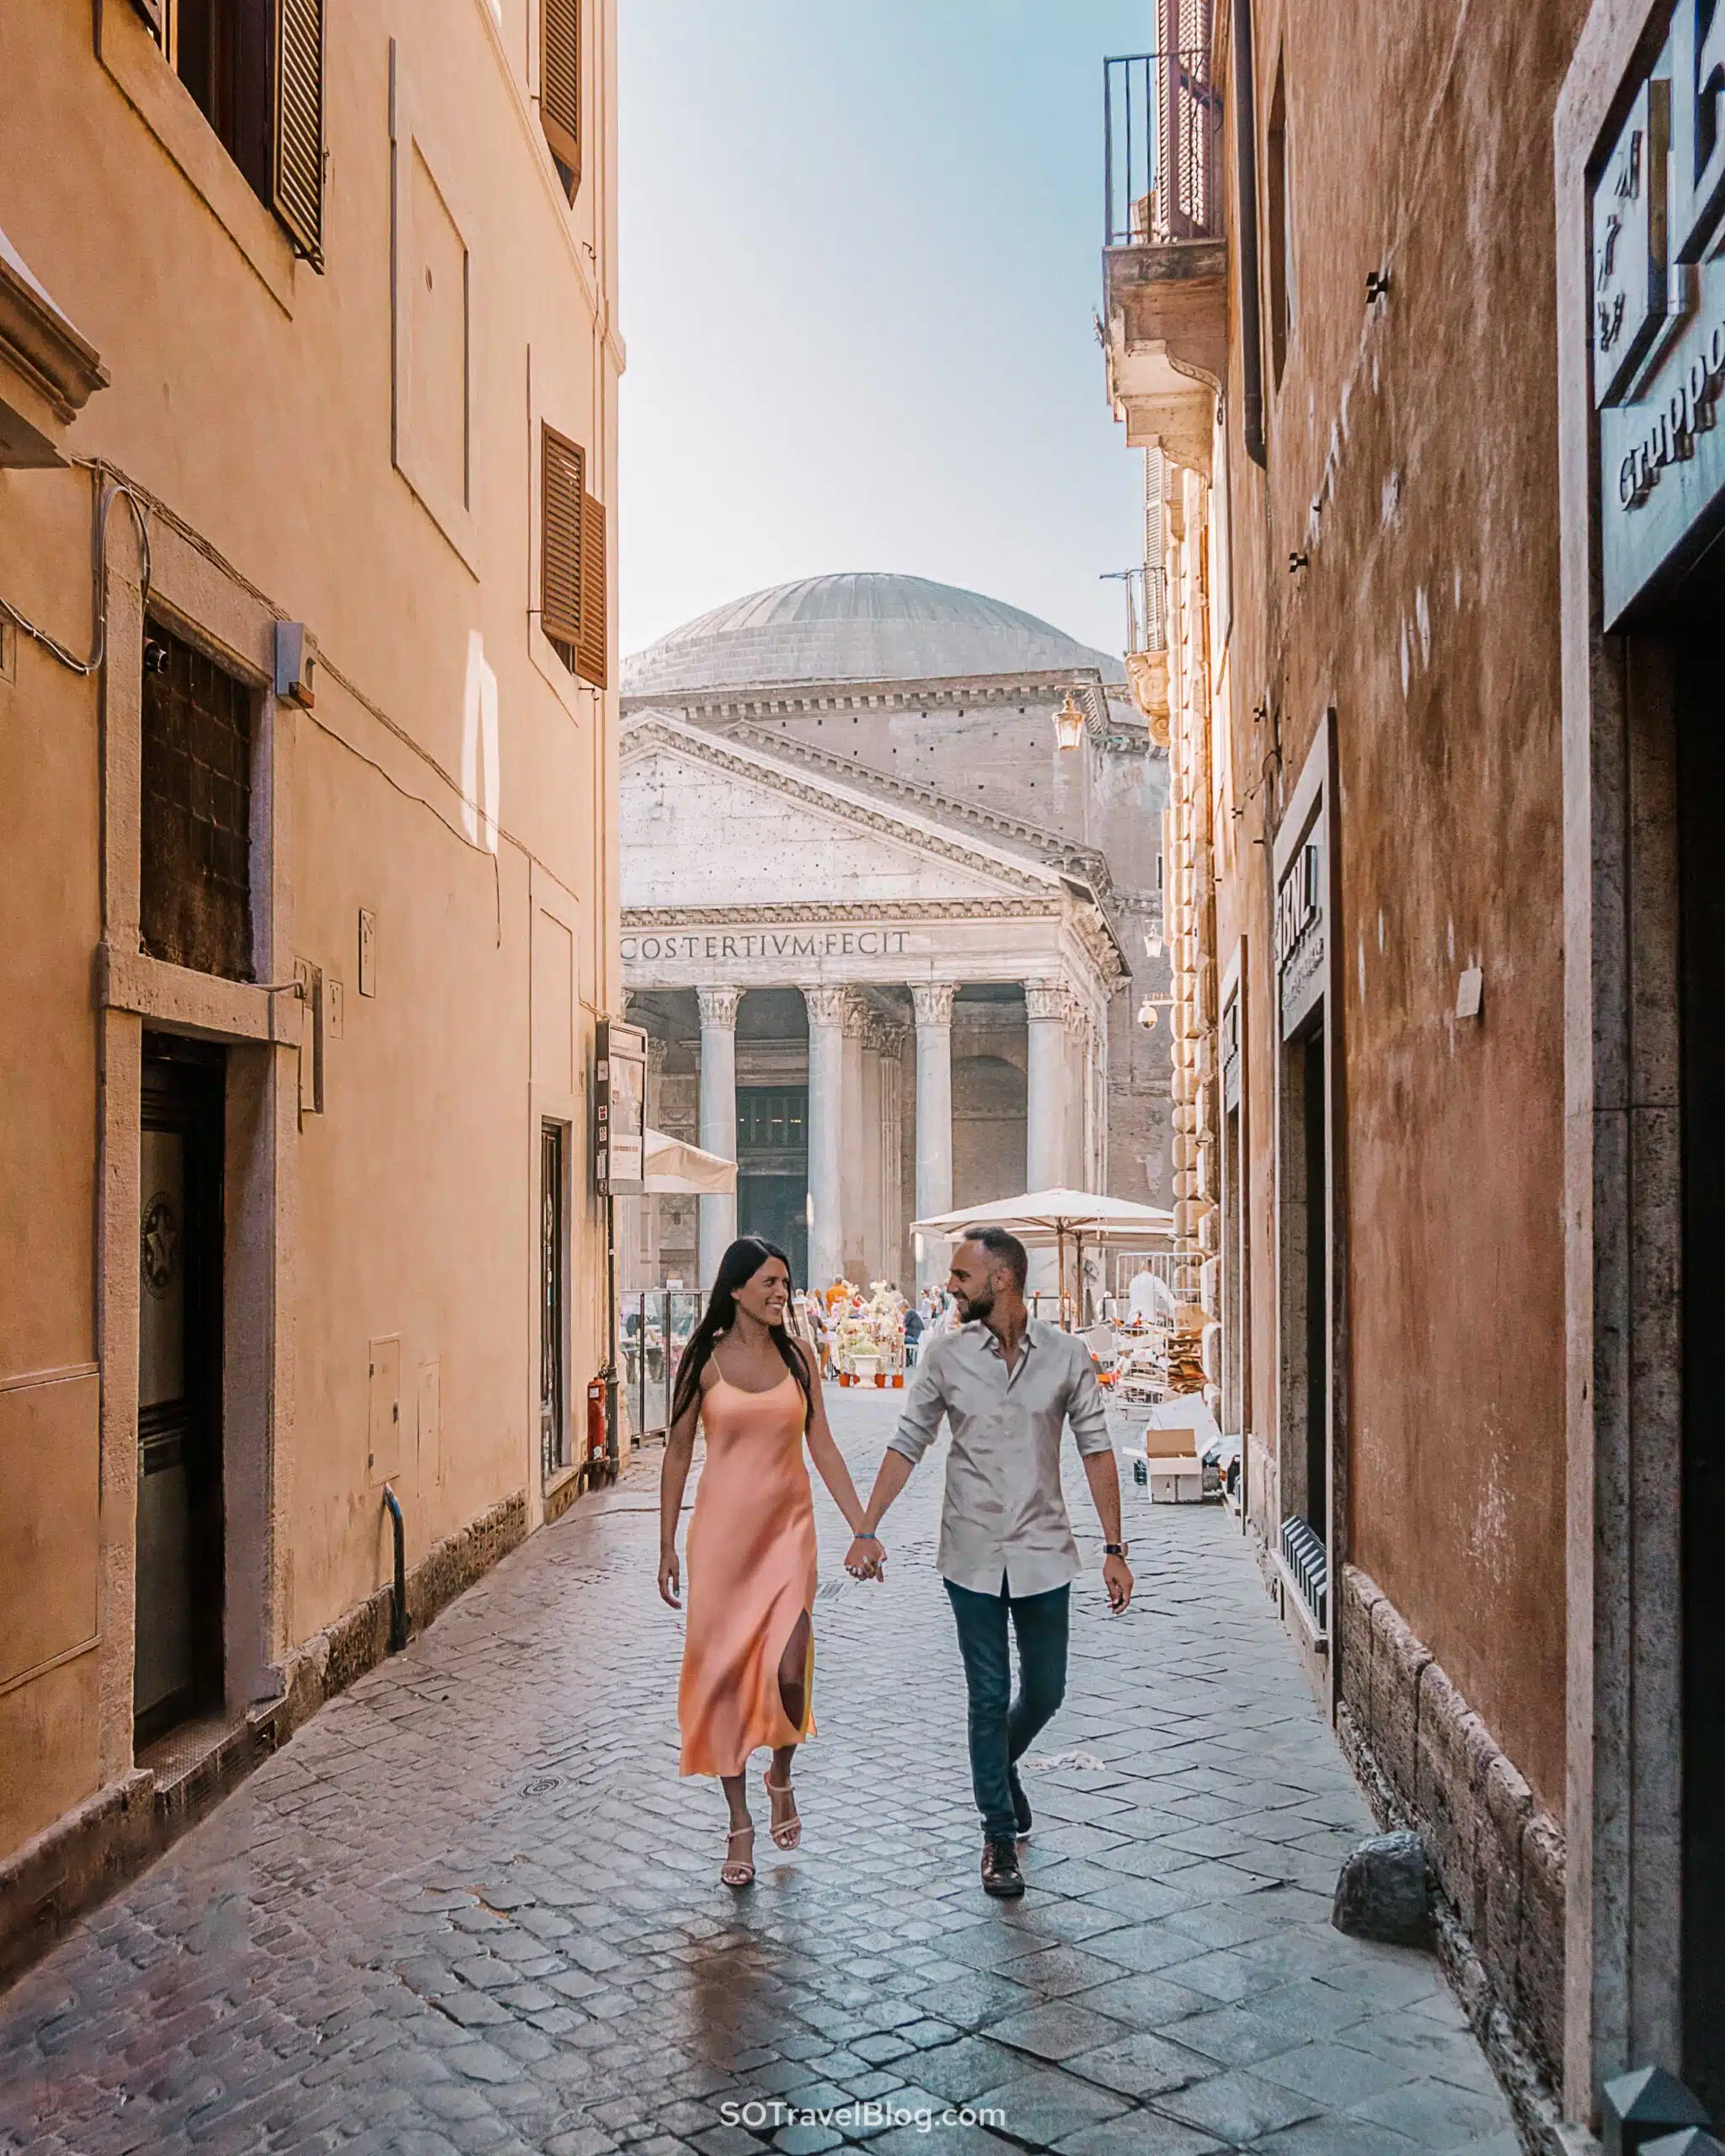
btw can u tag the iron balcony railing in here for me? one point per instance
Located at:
(1161, 136)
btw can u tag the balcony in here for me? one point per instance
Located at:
(1148, 646)
(1165, 260)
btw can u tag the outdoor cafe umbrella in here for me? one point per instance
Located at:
(1043, 1217)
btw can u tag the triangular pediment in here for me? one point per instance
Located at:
(706, 822)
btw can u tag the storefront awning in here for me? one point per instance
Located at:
(675, 1169)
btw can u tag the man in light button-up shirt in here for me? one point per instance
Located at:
(1006, 1385)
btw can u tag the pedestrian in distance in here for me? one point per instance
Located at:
(913, 1335)
(1006, 1385)
(748, 1675)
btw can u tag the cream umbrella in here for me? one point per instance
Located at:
(673, 1167)
(1042, 1217)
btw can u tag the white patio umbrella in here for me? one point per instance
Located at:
(675, 1168)
(1043, 1217)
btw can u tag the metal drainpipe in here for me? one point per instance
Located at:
(398, 1598)
(1245, 170)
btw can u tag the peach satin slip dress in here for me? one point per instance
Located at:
(751, 1575)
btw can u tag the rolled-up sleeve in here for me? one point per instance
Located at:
(1086, 1410)
(924, 1405)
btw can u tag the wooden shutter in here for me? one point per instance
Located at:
(562, 488)
(593, 650)
(560, 84)
(297, 160)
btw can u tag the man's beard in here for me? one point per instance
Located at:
(973, 1307)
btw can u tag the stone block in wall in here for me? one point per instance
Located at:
(1506, 1807)
(1360, 1595)
(1538, 2006)
(1443, 1794)
(1397, 1660)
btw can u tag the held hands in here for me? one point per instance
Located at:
(671, 1579)
(866, 1559)
(1117, 1579)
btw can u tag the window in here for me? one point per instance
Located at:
(255, 69)
(194, 864)
(575, 607)
(1280, 308)
(560, 88)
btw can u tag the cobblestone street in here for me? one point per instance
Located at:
(471, 1906)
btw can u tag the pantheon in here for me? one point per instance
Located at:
(886, 934)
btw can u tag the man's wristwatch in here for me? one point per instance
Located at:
(1115, 1548)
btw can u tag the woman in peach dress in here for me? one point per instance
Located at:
(749, 1642)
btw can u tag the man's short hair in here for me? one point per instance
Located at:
(1005, 1250)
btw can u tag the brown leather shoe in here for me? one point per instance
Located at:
(1000, 1876)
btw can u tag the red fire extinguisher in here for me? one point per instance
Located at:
(596, 1423)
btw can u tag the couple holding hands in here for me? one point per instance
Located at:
(1006, 1385)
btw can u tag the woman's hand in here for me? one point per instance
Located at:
(671, 1579)
(865, 1559)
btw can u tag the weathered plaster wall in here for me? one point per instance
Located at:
(1413, 458)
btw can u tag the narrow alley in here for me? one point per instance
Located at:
(471, 1907)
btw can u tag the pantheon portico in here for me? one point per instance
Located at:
(878, 963)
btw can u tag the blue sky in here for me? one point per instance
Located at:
(860, 258)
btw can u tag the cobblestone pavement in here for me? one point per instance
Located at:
(471, 1908)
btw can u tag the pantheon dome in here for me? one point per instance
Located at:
(855, 628)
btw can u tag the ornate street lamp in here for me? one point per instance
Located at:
(1069, 724)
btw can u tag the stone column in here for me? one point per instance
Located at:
(854, 1149)
(1046, 1091)
(718, 1118)
(892, 1150)
(934, 1113)
(826, 1045)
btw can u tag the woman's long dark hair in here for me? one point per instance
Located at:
(736, 1268)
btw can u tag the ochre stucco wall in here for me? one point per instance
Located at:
(257, 409)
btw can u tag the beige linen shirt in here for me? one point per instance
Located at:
(1004, 1516)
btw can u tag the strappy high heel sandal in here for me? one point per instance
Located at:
(787, 1833)
(738, 1871)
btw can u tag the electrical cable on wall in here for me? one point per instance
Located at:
(113, 488)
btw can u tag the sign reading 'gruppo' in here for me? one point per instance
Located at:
(1657, 306)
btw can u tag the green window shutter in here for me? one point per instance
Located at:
(297, 158)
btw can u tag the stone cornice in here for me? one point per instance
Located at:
(676, 919)
(664, 731)
(958, 692)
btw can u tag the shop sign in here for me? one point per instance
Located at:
(1300, 932)
(619, 1107)
(1658, 302)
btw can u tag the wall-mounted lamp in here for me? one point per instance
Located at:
(1069, 724)
(1152, 947)
(1147, 1014)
